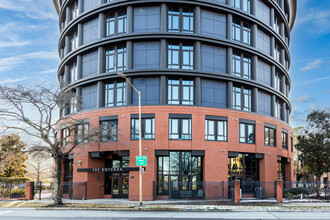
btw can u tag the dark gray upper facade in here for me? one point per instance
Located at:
(213, 53)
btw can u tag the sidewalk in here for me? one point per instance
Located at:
(246, 205)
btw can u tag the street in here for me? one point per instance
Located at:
(84, 214)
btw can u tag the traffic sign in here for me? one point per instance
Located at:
(141, 160)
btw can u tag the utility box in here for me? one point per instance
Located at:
(260, 192)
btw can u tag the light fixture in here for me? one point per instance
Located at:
(79, 163)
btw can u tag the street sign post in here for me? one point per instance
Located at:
(141, 160)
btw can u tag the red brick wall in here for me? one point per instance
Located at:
(216, 153)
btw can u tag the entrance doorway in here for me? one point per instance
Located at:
(117, 184)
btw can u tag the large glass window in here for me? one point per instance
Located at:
(180, 55)
(73, 41)
(270, 136)
(278, 109)
(242, 98)
(180, 91)
(109, 130)
(277, 53)
(181, 20)
(148, 128)
(74, 104)
(242, 65)
(180, 173)
(115, 94)
(241, 31)
(284, 140)
(277, 25)
(73, 72)
(65, 136)
(82, 132)
(116, 23)
(115, 58)
(179, 128)
(277, 83)
(74, 10)
(215, 130)
(246, 133)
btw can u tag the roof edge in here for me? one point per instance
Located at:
(57, 5)
(293, 12)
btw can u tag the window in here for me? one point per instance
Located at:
(279, 170)
(242, 65)
(291, 143)
(74, 41)
(82, 132)
(246, 5)
(74, 10)
(242, 98)
(74, 72)
(109, 130)
(270, 136)
(277, 53)
(179, 128)
(116, 23)
(181, 20)
(284, 140)
(180, 56)
(115, 94)
(215, 130)
(148, 128)
(180, 91)
(241, 31)
(278, 109)
(74, 105)
(246, 133)
(277, 25)
(277, 83)
(65, 136)
(115, 58)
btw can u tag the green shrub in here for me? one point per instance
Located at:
(14, 179)
(288, 195)
(298, 191)
(17, 193)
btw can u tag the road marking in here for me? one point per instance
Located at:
(6, 212)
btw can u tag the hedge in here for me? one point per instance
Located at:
(14, 179)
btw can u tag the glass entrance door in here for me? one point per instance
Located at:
(120, 186)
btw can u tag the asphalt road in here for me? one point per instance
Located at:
(82, 214)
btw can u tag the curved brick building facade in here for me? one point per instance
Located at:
(214, 80)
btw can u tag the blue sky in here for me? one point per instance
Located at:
(29, 35)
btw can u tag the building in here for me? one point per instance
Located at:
(214, 80)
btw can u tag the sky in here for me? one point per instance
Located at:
(29, 34)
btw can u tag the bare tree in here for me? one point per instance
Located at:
(34, 111)
(38, 165)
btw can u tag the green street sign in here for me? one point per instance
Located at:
(141, 160)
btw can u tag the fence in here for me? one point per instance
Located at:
(12, 190)
(213, 190)
(293, 189)
(74, 190)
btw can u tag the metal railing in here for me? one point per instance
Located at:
(12, 190)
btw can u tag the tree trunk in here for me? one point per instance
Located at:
(318, 185)
(57, 185)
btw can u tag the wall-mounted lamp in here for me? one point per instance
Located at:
(79, 163)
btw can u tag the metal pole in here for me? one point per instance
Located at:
(140, 149)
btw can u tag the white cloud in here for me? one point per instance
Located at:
(36, 9)
(312, 65)
(304, 98)
(5, 81)
(313, 81)
(9, 63)
(295, 108)
(312, 107)
(5, 44)
(48, 71)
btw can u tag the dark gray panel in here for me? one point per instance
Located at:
(89, 64)
(89, 97)
(217, 118)
(232, 154)
(90, 4)
(264, 103)
(147, 19)
(123, 153)
(187, 116)
(149, 88)
(213, 24)
(107, 118)
(263, 42)
(270, 126)
(146, 55)
(214, 93)
(162, 152)
(136, 116)
(90, 31)
(263, 12)
(264, 73)
(214, 59)
(246, 121)
(198, 153)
